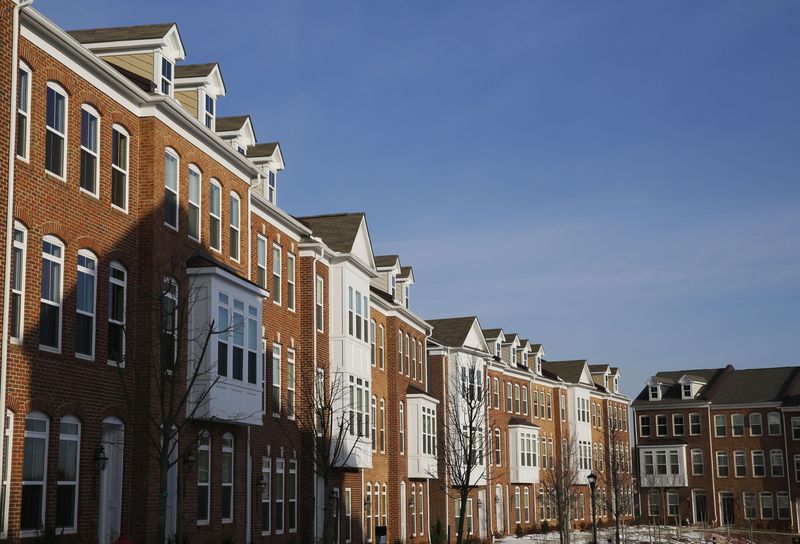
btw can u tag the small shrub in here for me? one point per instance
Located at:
(545, 528)
(438, 532)
(518, 531)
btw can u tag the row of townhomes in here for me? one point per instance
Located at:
(721, 446)
(183, 360)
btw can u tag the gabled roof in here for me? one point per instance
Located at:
(491, 334)
(262, 150)
(569, 371)
(194, 70)
(338, 230)
(510, 337)
(406, 272)
(122, 33)
(754, 385)
(230, 123)
(451, 331)
(598, 369)
(386, 261)
(535, 348)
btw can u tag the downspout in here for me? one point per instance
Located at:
(317, 526)
(711, 464)
(788, 480)
(12, 131)
(258, 183)
(248, 510)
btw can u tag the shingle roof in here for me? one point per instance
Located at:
(569, 371)
(405, 271)
(510, 337)
(521, 421)
(536, 347)
(451, 331)
(597, 368)
(673, 392)
(230, 123)
(383, 261)
(121, 33)
(754, 385)
(338, 230)
(491, 334)
(194, 70)
(262, 150)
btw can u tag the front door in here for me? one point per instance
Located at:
(700, 506)
(113, 444)
(482, 514)
(726, 508)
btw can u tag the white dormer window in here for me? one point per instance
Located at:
(272, 186)
(393, 285)
(407, 295)
(655, 392)
(687, 391)
(538, 364)
(241, 150)
(513, 355)
(616, 384)
(167, 70)
(497, 349)
(210, 111)
(525, 358)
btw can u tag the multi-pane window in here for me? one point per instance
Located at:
(119, 167)
(796, 428)
(399, 348)
(767, 511)
(782, 502)
(18, 280)
(382, 428)
(644, 426)
(238, 331)
(357, 312)
(677, 424)
(776, 463)
(759, 463)
(290, 384)
(253, 338)
(740, 463)
(527, 449)
(420, 362)
(90, 149)
(34, 472)
(756, 428)
(737, 425)
(277, 266)
(166, 77)
(23, 112)
(266, 495)
(171, 189)
(261, 263)
(358, 413)
(169, 323)
(234, 226)
(429, 431)
(373, 416)
(722, 464)
(55, 156)
(749, 499)
(223, 330)
(203, 478)
(694, 423)
(496, 394)
(195, 191)
(381, 346)
(276, 380)
(290, 281)
(509, 403)
(215, 216)
(697, 462)
(720, 426)
(408, 355)
(227, 477)
(319, 304)
(272, 185)
(86, 294)
(527, 505)
(210, 108)
(68, 456)
(661, 425)
(117, 286)
(279, 495)
(291, 485)
(50, 305)
(774, 423)
(498, 451)
(348, 515)
(525, 400)
(402, 428)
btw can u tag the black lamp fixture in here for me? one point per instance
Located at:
(262, 484)
(189, 462)
(592, 479)
(100, 458)
(333, 501)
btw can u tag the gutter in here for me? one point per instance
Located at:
(12, 152)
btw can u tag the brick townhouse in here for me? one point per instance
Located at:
(720, 447)
(145, 256)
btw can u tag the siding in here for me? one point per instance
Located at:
(188, 99)
(140, 64)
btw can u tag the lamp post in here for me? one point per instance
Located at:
(592, 478)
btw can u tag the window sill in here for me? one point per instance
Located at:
(26, 160)
(54, 177)
(171, 227)
(202, 523)
(227, 521)
(66, 530)
(84, 357)
(93, 196)
(115, 364)
(15, 342)
(49, 349)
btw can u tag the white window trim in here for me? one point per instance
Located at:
(159, 71)
(5, 485)
(229, 449)
(319, 302)
(280, 468)
(235, 227)
(683, 424)
(763, 464)
(261, 242)
(46, 436)
(291, 379)
(780, 424)
(60, 90)
(194, 169)
(92, 111)
(293, 492)
(276, 381)
(72, 438)
(760, 424)
(79, 269)
(402, 426)
(23, 247)
(126, 172)
(266, 469)
(124, 285)
(177, 192)
(735, 466)
(214, 184)
(291, 277)
(733, 434)
(716, 427)
(60, 260)
(650, 425)
(277, 293)
(27, 114)
(205, 447)
(381, 347)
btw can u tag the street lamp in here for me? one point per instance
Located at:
(592, 478)
(100, 458)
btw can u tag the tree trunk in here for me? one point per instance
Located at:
(161, 520)
(462, 509)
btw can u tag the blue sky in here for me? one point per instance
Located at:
(619, 180)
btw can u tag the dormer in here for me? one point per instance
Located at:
(654, 389)
(537, 352)
(406, 279)
(510, 347)
(269, 159)
(494, 341)
(388, 281)
(524, 352)
(614, 379)
(197, 87)
(143, 53)
(237, 131)
(690, 386)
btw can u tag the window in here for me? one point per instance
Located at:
(381, 346)
(496, 393)
(776, 463)
(517, 518)
(90, 132)
(171, 189)
(18, 258)
(203, 478)
(687, 390)
(23, 111)
(348, 515)
(774, 423)
(166, 77)
(524, 400)
(55, 156)
(517, 408)
(359, 407)
(654, 503)
(227, 478)
(276, 274)
(382, 439)
(223, 334)
(749, 504)
(759, 464)
(68, 456)
(694, 423)
(677, 424)
(527, 449)
(796, 428)
(119, 167)
(737, 425)
(50, 306)
(527, 505)
(655, 392)
(290, 385)
(117, 285)
(649, 465)
(644, 426)
(210, 107)
(272, 186)
(234, 224)
(672, 503)
(384, 512)
(399, 342)
(661, 425)
(697, 462)
(261, 264)
(720, 428)
(279, 473)
(722, 464)
(740, 463)
(421, 509)
(292, 488)
(402, 428)
(373, 415)
(276, 380)
(320, 306)
(429, 431)
(169, 324)
(413, 350)
(266, 495)
(215, 217)
(86, 296)
(290, 279)
(34, 472)
(766, 505)
(508, 398)
(755, 424)
(782, 501)
(373, 346)
(6, 476)
(408, 355)
(194, 202)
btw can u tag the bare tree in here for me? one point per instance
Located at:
(170, 389)
(559, 483)
(466, 423)
(617, 480)
(330, 427)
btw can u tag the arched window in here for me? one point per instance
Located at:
(195, 199)
(51, 294)
(86, 304)
(34, 473)
(18, 281)
(117, 293)
(203, 477)
(90, 149)
(215, 216)
(119, 167)
(368, 506)
(69, 454)
(6, 476)
(227, 478)
(373, 414)
(55, 156)
(171, 188)
(382, 438)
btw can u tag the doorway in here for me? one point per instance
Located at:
(700, 502)
(726, 508)
(498, 501)
(110, 513)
